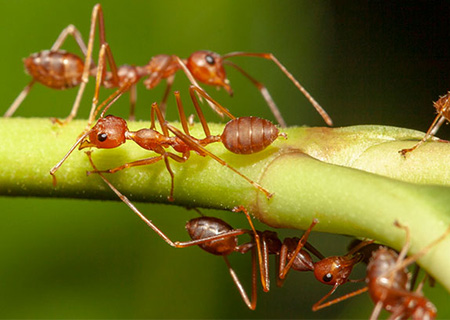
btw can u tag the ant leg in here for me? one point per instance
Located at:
(411, 259)
(264, 92)
(318, 306)
(137, 163)
(199, 111)
(181, 113)
(284, 269)
(59, 164)
(169, 83)
(437, 122)
(262, 266)
(250, 304)
(18, 101)
(271, 57)
(133, 97)
(97, 15)
(161, 120)
(172, 178)
(205, 95)
(202, 151)
(104, 49)
(73, 31)
(376, 311)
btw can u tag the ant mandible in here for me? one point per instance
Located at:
(111, 132)
(443, 114)
(388, 282)
(67, 70)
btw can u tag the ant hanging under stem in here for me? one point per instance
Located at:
(203, 228)
(58, 69)
(211, 234)
(248, 135)
(334, 270)
(443, 114)
(388, 282)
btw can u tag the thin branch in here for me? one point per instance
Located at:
(316, 172)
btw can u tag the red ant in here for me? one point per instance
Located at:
(58, 69)
(111, 132)
(388, 282)
(443, 113)
(212, 235)
(334, 270)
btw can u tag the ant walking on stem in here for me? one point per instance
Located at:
(241, 135)
(58, 69)
(388, 282)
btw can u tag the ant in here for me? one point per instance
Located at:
(59, 69)
(239, 136)
(443, 114)
(334, 270)
(212, 235)
(202, 229)
(388, 282)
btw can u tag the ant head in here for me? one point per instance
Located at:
(207, 67)
(108, 132)
(335, 270)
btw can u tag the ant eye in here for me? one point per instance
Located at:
(102, 137)
(328, 277)
(209, 59)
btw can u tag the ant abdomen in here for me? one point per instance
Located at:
(248, 135)
(55, 69)
(204, 227)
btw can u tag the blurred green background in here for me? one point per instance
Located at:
(374, 63)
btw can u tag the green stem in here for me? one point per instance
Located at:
(317, 172)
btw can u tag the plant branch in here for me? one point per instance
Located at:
(317, 172)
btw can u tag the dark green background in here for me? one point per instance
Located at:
(365, 63)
